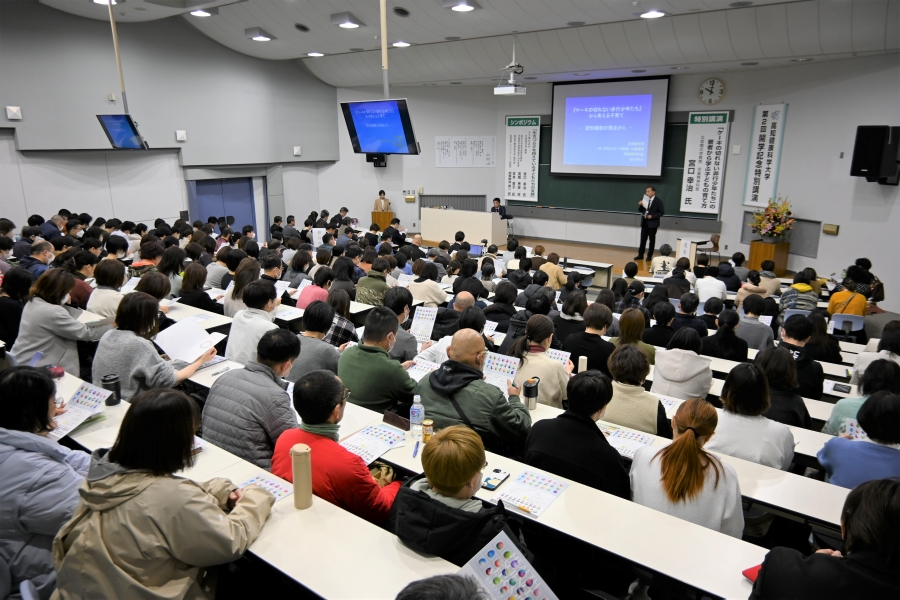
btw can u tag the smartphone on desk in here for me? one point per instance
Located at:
(842, 388)
(493, 479)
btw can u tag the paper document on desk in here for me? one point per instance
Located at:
(279, 489)
(88, 402)
(766, 319)
(130, 285)
(423, 323)
(288, 313)
(404, 280)
(625, 441)
(373, 441)
(504, 572)
(422, 368)
(187, 341)
(531, 493)
(670, 405)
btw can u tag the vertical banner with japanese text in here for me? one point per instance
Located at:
(764, 154)
(705, 153)
(523, 138)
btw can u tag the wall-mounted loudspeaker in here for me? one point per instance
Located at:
(876, 154)
(377, 160)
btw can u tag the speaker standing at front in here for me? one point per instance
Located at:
(652, 210)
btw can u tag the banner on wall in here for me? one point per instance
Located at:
(465, 151)
(705, 153)
(764, 154)
(523, 138)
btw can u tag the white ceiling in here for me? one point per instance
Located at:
(705, 35)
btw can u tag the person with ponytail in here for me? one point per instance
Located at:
(531, 349)
(725, 344)
(686, 481)
(80, 263)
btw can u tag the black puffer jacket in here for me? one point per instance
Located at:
(728, 277)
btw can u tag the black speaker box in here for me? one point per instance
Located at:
(875, 154)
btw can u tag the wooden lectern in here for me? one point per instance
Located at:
(777, 253)
(382, 218)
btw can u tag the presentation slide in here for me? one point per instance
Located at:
(609, 128)
(120, 131)
(380, 127)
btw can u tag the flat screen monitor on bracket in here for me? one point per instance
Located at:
(380, 127)
(122, 132)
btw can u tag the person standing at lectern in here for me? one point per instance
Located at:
(652, 210)
(498, 208)
(382, 204)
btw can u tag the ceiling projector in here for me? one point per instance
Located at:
(509, 89)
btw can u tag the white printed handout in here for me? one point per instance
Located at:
(423, 323)
(404, 280)
(187, 341)
(852, 428)
(130, 285)
(281, 287)
(559, 355)
(489, 328)
(422, 368)
(625, 441)
(373, 441)
(498, 369)
(670, 405)
(275, 487)
(288, 313)
(531, 493)
(503, 572)
(767, 319)
(88, 402)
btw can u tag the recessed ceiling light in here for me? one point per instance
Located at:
(529, 78)
(346, 20)
(401, 12)
(205, 12)
(801, 59)
(301, 27)
(456, 83)
(652, 14)
(580, 74)
(357, 50)
(749, 64)
(401, 44)
(460, 5)
(258, 34)
(679, 68)
(105, 2)
(575, 23)
(429, 84)
(315, 54)
(452, 38)
(639, 70)
(740, 4)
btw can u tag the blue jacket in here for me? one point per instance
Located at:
(33, 266)
(852, 462)
(40, 488)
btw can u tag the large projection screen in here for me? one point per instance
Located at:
(609, 127)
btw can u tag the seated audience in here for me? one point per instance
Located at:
(140, 529)
(47, 327)
(727, 276)
(217, 270)
(663, 264)
(725, 343)
(247, 409)
(686, 481)
(660, 334)
(881, 376)
(631, 406)
(711, 310)
(486, 277)
(193, 292)
(41, 478)
(250, 324)
(630, 272)
(800, 296)
(109, 275)
(537, 257)
(590, 342)
(787, 405)
(810, 377)
(151, 254)
(742, 431)
(38, 261)
(400, 300)
(426, 288)
(233, 261)
(752, 286)
(521, 276)
(710, 286)
(537, 286)
(372, 288)
(531, 349)
(701, 266)
(298, 269)
(686, 315)
(518, 254)
(342, 330)
(315, 353)
(658, 295)
(456, 394)
(556, 276)
(737, 259)
(631, 330)
(447, 321)
(14, 293)
(318, 290)
(678, 283)
(157, 285)
(757, 334)
(452, 273)
(502, 309)
(343, 271)
(822, 346)
(869, 566)
(850, 462)
(680, 371)
(436, 352)
(768, 279)
(572, 446)
(81, 264)
(888, 349)
(632, 299)
(246, 273)
(338, 475)
(172, 265)
(370, 361)
(570, 320)
(127, 351)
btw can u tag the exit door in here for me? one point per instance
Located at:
(226, 198)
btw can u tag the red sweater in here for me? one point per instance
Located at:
(338, 475)
(310, 294)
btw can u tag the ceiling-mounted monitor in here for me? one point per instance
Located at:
(122, 132)
(380, 127)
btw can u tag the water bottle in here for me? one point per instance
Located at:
(111, 383)
(416, 416)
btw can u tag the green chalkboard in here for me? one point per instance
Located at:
(615, 194)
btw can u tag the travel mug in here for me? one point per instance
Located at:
(530, 392)
(301, 460)
(111, 383)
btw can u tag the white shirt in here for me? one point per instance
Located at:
(437, 353)
(756, 439)
(248, 327)
(709, 287)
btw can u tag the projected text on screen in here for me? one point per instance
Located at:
(608, 130)
(379, 127)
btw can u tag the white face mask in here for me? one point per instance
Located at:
(66, 299)
(80, 233)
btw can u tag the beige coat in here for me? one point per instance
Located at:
(104, 301)
(382, 205)
(632, 407)
(138, 536)
(553, 374)
(429, 292)
(773, 286)
(747, 289)
(558, 278)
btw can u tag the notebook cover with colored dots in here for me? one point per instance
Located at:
(502, 571)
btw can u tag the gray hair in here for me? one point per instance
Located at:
(665, 250)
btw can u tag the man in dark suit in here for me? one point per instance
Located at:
(498, 208)
(396, 232)
(650, 217)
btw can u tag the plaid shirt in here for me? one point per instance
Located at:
(341, 332)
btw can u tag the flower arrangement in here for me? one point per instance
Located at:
(775, 221)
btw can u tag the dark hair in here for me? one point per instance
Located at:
(157, 433)
(797, 327)
(487, 271)
(631, 269)
(17, 284)
(429, 273)
(257, 294)
(727, 321)
(767, 265)
(597, 316)
(879, 416)
(746, 391)
(6, 226)
(397, 299)
(247, 272)
(738, 258)
(801, 277)
(779, 367)
(512, 244)
(607, 298)
(316, 394)
(401, 259)
(148, 251)
(664, 312)
(74, 260)
(871, 518)
(41, 247)
(168, 242)
(300, 261)
(754, 304)
(172, 262)
(864, 263)
(539, 304)
(270, 261)
(318, 317)
(629, 365)
(505, 292)
(471, 285)
(619, 289)
(702, 260)
(323, 277)
(685, 338)
(379, 323)
(688, 303)
(276, 346)
(459, 236)
(588, 392)
(520, 253)
(53, 285)
(194, 278)
(890, 341)
(138, 312)
(380, 265)
(472, 318)
(25, 395)
(540, 278)
(711, 272)
(658, 295)
(537, 329)
(340, 300)
(157, 284)
(713, 306)
(576, 303)
(880, 376)
(753, 277)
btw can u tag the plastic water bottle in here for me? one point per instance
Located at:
(416, 416)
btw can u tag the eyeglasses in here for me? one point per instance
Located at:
(346, 395)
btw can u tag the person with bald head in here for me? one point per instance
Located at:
(456, 394)
(447, 321)
(415, 248)
(470, 318)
